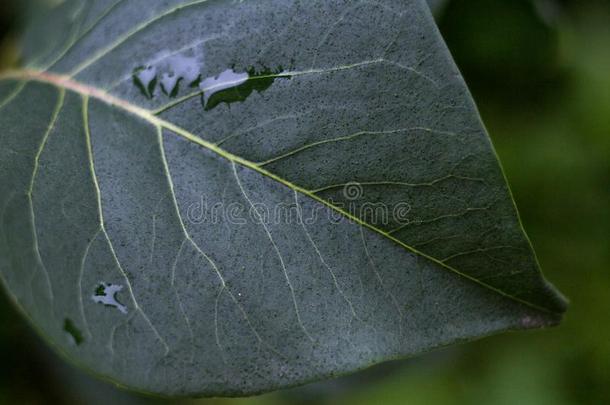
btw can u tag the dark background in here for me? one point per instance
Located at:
(540, 73)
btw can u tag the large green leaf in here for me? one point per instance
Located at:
(227, 197)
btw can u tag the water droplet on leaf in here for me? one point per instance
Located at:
(73, 332)
(226, 80)
(169, 71)
(145, 78)
(230, 86)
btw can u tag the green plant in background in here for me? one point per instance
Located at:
(384, 389)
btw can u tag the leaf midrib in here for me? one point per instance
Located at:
(68, 83)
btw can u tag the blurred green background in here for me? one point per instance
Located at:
(540, 73)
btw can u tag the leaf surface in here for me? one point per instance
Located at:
(225, 198)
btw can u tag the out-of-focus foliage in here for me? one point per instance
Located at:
(540, 74)
(8, 23)
(503, 45)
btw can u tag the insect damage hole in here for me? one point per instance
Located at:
(106, 293)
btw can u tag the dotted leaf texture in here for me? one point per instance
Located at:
(145, 147)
